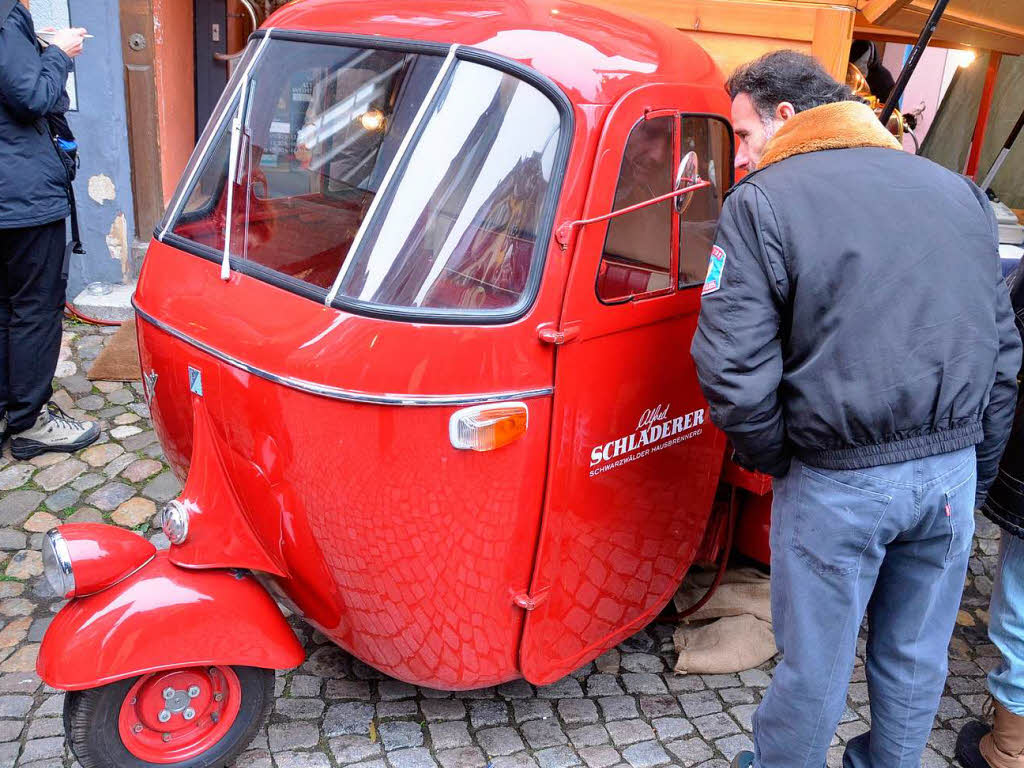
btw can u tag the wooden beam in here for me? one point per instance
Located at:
(881, 11)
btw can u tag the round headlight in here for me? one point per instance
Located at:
(174, 522)
(57, 564)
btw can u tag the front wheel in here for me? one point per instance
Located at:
(196, 717)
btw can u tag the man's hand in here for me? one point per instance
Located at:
(69, 40)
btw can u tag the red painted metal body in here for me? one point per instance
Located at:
(103, 555)
(164, 617)
(446, 568)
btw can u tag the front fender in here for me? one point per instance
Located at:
(166, 617)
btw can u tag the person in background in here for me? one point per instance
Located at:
(864, 55)
(874, 375)
(34, 203)
(1002, 745)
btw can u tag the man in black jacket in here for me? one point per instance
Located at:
(856, 341)
(33, 205)
(1002, 745)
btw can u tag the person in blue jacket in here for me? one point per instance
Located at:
(34, 202)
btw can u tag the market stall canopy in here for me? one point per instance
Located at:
(996, 25)
(736, 31)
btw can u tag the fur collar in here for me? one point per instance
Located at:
(841, 125)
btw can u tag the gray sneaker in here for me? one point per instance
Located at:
(54, 430)
(3, 426)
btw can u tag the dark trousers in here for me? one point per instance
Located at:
(32, 294)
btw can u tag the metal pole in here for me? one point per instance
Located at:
(984, 110)
(1004, 152)
(913, 59)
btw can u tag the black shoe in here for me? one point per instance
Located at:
(744, 759)
(967, 751)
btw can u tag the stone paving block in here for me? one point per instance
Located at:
(302, 760)
(644, 682)
(532, 709)
(255, 758)
(499, 741)
(519, 760)
(288, 736)
(721, 681)
(730, 746)
(672, 728)
(401, 734)
(516, 689)
(576, 711)
(165, 487)
(556, 757)
(690, 752)
(305, 685)
(110, 496)
(411, 758)
(9, 753)
(736, 695)
(679, 684)
(348, 718)
(463, 757)
(716, 725)
(15, 476)
(393, 710)
(603, 685)
(299, 709)
(744, 715)
(11, 729)
(566, 688)
(618, 707)
(755, 678)
(647, 754)
(624, 732)
(700, 703)
(435, 710)
(488, 712)
(599, 757)
(543, 733)
(15, 507)
(40, 749)
(659, 706)
(449, 734)
(589, 736)
(353, 749)
(347, 689)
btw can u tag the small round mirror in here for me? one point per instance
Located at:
(686, 176)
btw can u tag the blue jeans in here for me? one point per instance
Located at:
(890, 541)
(1006, 625)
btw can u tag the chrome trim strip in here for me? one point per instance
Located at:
(337, 393)
(62, 559)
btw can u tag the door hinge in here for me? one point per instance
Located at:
(528, 602)
(550, 333)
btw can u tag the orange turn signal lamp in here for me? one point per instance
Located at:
(487, 427)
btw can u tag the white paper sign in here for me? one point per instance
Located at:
(55, 13)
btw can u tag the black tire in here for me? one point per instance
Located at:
(90, 724)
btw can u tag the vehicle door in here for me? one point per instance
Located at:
(635, 461)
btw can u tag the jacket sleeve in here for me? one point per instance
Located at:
(737, 348)
(31, 84)
(997, 420)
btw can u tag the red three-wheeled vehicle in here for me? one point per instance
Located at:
(415, 336)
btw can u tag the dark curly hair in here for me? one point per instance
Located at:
(786, 76)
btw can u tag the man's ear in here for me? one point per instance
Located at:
(784, 111)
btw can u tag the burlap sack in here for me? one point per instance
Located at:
(731, 644)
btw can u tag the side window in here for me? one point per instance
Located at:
(711, 139)
(637, 258)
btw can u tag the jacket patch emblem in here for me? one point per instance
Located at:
(716, 265)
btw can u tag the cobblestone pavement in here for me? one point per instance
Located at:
(626, 709)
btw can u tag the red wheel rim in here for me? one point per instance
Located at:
(167, 717)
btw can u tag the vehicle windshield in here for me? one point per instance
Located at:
(461, 157)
